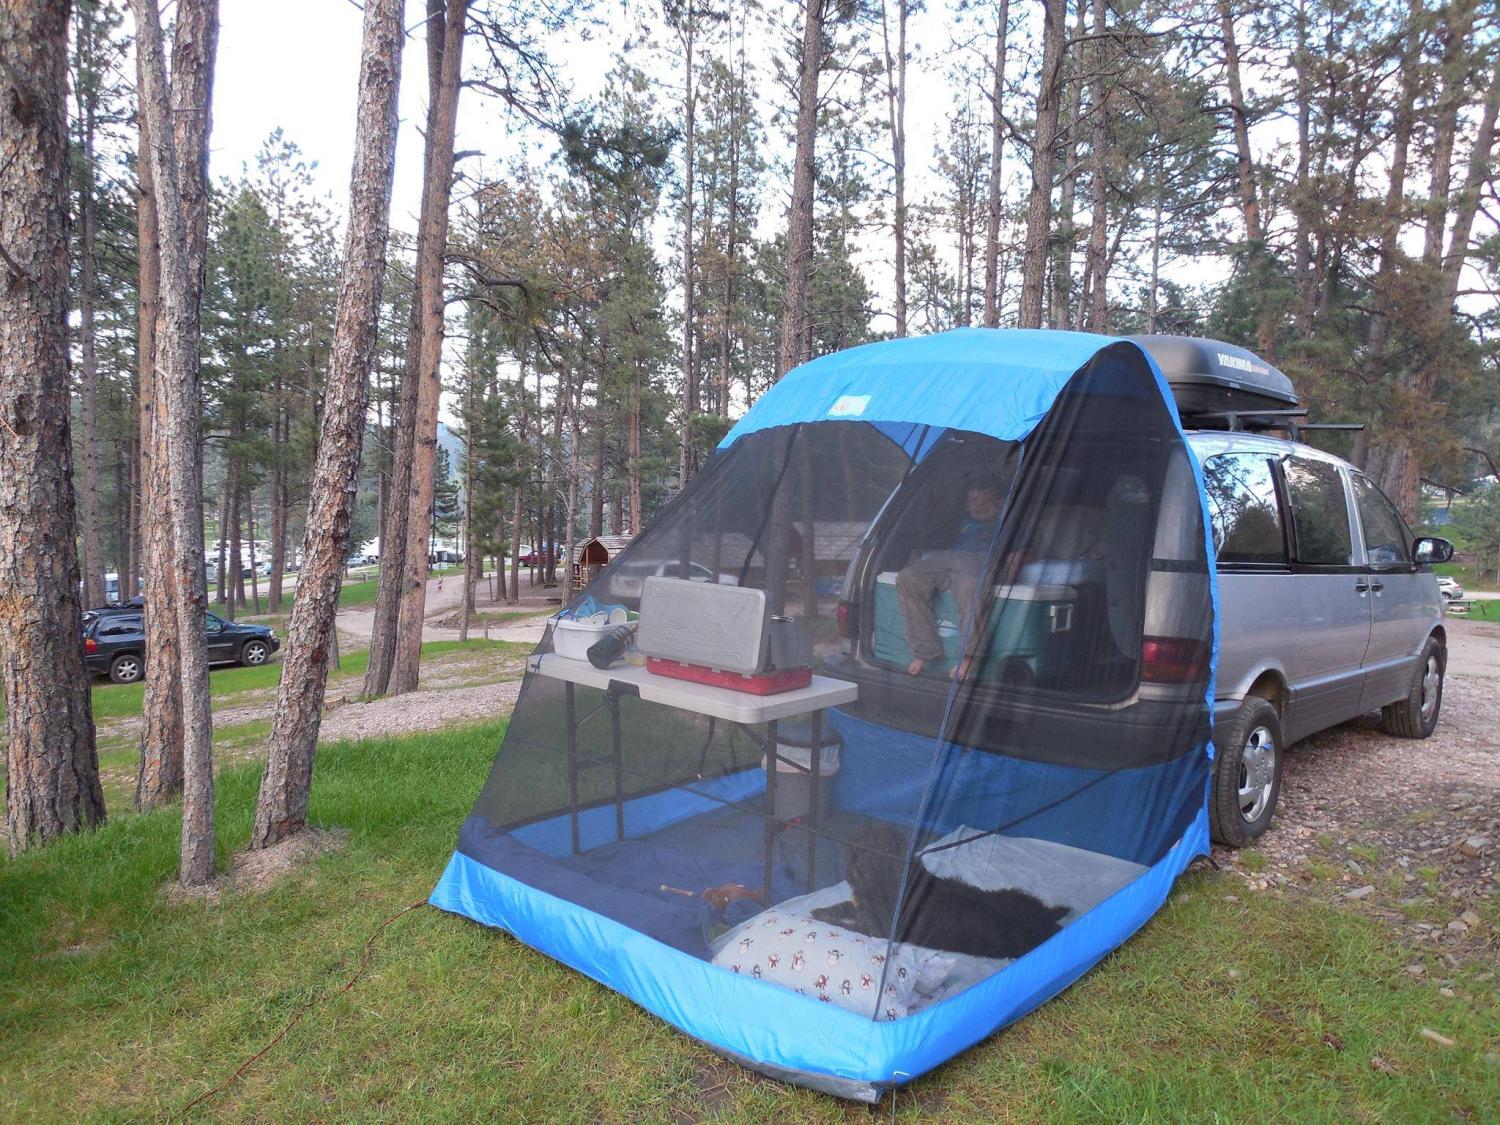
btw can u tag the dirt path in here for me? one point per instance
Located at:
(444, 595)
(1409, 830)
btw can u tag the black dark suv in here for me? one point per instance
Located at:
(114, 643)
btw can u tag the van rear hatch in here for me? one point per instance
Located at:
(1210, 377)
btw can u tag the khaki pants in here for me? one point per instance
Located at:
(917, 588)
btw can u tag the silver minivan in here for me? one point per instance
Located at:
(1327, 610)
(1328, 607)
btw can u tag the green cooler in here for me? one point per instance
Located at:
(1029, 627)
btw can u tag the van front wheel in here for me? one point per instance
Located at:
(1247, 774)
(1416, 716)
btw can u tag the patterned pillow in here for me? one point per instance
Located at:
(825, 962)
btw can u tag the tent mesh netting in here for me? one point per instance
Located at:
(1027, 619)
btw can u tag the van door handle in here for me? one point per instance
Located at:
(1361, 585)
(1377, 586)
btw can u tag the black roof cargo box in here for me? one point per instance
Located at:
(1209, 377)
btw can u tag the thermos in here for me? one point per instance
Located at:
(610, 647)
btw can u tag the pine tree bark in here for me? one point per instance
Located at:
(687, 460)
(281, 809)
(895, 96)
(796, 344)
(159, 776)
(90, 532)
(1397, 468)
(52, 768)
(996, 208)
(418, 444)
(177, 364)
(163, 733)
(1096, 270)
(1039, 200)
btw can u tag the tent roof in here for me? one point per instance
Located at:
(997, 381)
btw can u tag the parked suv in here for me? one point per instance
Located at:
(1327, 605)
(114, 643)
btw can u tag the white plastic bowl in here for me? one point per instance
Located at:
(572, 639)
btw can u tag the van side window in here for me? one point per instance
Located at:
(120, 627)
(1243, 509)
(1320, 513)
(1387, 542)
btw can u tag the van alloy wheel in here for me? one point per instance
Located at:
(255, 652)
(1257, 772)
(1432, 681)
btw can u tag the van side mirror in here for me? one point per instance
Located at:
(1431, 549)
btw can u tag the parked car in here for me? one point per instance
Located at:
(114, 643)
(539, 556)
(1328, 607)
(1449, 588)
(627, 580)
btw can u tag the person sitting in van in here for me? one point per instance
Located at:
(956, 570)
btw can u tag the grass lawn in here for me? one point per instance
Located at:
(115, 1004)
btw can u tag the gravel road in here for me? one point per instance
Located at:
(1407, 829)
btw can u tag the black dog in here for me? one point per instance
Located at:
(937, 913)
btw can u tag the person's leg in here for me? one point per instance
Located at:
(917, 587)
(963, 580)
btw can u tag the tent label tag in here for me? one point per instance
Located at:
(849, 406)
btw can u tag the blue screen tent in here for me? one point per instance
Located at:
(1052, 753)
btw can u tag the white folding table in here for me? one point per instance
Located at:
(716, 702)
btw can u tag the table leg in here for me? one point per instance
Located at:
(771, 759)
(572, 724)
(614, 753)
(812, 814)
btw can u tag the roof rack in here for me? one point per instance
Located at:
(1256, 421)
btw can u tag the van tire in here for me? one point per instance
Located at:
(1416, 716)
(1247, 748)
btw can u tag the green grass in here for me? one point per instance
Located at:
(115, 1004)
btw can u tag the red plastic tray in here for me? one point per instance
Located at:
(763, 683)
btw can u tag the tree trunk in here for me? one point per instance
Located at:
(177, 363)
(1391, 215)
(596, 482)
(163, 736)
(432, 241)
(52, 768)
(996, 206)
(236, 594)
(687, 460)
(89, 533)
(254, 565)
(1481, 163)
(312, 637)
(1065, 237)
(226, 506)
(634, 468)
(280, 502)
(895, 98)
(795, 346)
(1039, 201)
(1095, 313)
(1398, 469)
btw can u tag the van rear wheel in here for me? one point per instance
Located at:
(1416, 716)
(1247, 774)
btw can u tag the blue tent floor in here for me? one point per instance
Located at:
(639, 881)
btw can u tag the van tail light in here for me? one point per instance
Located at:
(90, 645)
(1173, 660)
(848, 618)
